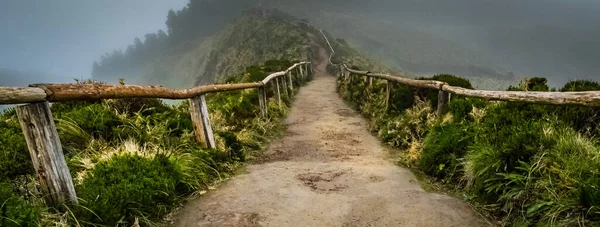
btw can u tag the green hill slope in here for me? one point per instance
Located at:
(250, 39)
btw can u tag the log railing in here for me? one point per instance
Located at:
(585, 98)
(41, 134)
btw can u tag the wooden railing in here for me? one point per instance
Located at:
(41, 134)
(586, 98)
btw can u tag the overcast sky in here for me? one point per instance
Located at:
(64, 37)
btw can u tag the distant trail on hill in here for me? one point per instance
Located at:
(327, 170)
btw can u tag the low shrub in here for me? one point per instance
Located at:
(443, 149)
(16, 211)
(411, 126)
(585, 119)
(531, 84)
(127, 186)
(131, 106)
(432, 95)
(97, 119)
(14, 154)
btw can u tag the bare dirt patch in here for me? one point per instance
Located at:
(344, 112)
(323, 182)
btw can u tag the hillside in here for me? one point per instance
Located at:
(252, 38)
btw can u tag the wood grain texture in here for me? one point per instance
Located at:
(277, 91)
(261, 102)
(443, 99)
(196, 116)
(16, 95)
(290, 84)
(208, 132)
(586, 98)
(388, 94)
(46, 153)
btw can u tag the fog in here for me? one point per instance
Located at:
(58, 40)
(55, 41)
(555, 39)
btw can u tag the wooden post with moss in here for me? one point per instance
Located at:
(46, 153)
(201, 122)
(290, 85)
(443, 99)
(277, 91)
(262, 102)
(308, 74)
(284, 85)
(388, 94)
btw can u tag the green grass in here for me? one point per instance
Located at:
(522, 164)
(134, 160)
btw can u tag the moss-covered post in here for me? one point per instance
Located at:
(302, 77)
(277, 91)
(201, 122)
(46, 153)
(388, 94)
(262, 100)
(290, 84)
(308, 74)
(443, 99)
(284, 86)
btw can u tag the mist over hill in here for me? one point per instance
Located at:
(189, 55)
(481, 40)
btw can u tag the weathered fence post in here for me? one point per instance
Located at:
(262, 100)
(370, 82)
(290, 81)
(46, 153)
(284, 85)
(308, 74)
(277, 91)
(201, 122)
(443, 98)
(388, 94)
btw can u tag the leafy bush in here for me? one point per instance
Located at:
(129, 186)
(443, 149)
(409, 127)
(531, 84)
(16, 211)
(96, 119)
(461, 109)
(584, 119)
(132, 106)
(432, 95)
(581, 85)
(14, 154)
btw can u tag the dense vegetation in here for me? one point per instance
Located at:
(134, 160)
(524, 164)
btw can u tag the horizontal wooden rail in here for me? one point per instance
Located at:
(283, 73)
(586, 98)
(72, 92)
(42, 137)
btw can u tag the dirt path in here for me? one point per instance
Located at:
(327, 171)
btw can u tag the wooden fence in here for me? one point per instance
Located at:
(586, 98)
(41, 134)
